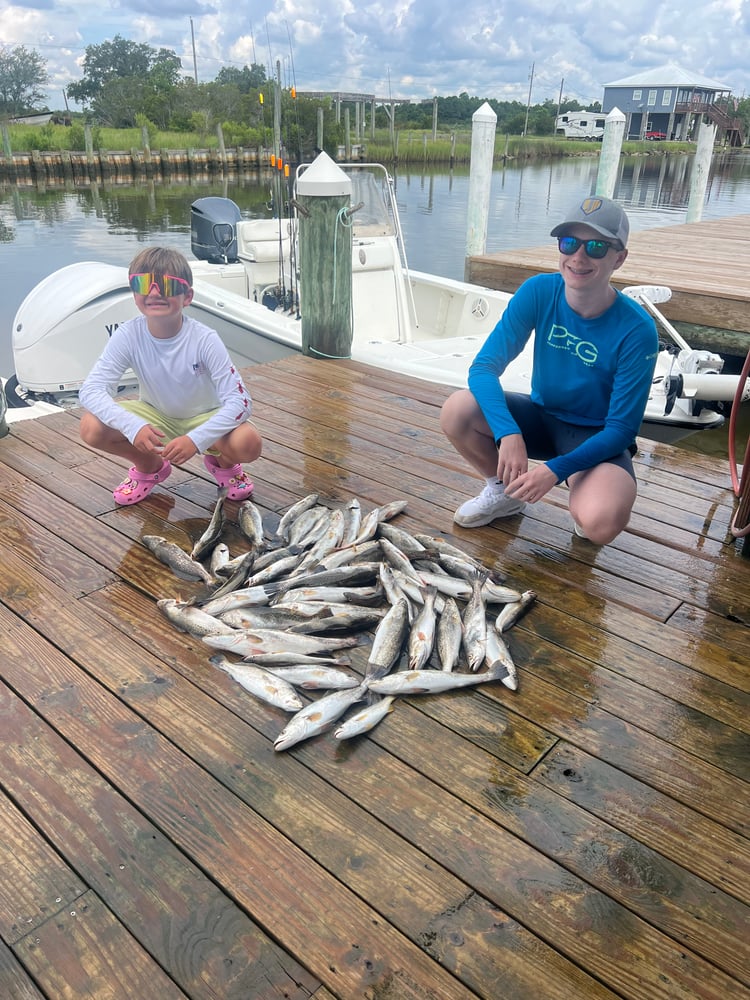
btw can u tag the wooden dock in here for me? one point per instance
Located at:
(704, 263)
(58, 167)
(583, 837)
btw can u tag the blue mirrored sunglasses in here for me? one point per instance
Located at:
(593, 248)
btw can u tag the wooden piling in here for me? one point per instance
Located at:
(325, 253)
(483, 123)
(7, 150)
(609, 159)
(10, 166)
(704, 149)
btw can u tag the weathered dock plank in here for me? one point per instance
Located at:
(15, 979)
(281, 885)
(585, 836)
(711, 851)
(191, 928)
(64, 935)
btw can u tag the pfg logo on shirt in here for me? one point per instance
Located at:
(198, 368)
(563, 340)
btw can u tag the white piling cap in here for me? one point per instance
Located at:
(323, 178)
(484, 114)
(615, 115)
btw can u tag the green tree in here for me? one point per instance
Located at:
(542, 118)
(210, 103)
(743, 113)
(223, 102)
(192, 107)
(299, 126)
(120, 59)
(245, 79)
(119, 101)
(23, 73)
(569, 105)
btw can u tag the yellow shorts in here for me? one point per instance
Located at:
(173, 427)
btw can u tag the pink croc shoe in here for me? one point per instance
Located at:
(238, 484)
(138, 485)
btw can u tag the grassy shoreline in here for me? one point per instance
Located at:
(404, 146)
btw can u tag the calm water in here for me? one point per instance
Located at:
(44, 229)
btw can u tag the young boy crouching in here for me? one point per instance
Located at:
(191, 400)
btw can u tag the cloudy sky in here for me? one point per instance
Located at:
(404, 48)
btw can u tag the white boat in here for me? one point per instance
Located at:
(246, 286)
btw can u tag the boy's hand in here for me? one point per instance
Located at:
(179, 450)
(512, 459)
(532, 485)
(149, 440)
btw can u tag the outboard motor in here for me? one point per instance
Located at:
(213, 230)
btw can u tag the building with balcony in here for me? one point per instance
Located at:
(667, 102)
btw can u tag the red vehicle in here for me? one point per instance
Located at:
(656, 135)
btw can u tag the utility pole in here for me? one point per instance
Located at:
(559, 99)
(528, 102)
(195, 62)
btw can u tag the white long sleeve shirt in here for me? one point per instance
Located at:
(181, 376)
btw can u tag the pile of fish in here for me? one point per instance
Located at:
(331, 579)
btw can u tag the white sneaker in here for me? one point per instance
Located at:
(491, 503)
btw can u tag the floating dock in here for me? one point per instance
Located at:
(706, 265)
(585, 836)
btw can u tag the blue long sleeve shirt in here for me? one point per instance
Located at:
(592, 372)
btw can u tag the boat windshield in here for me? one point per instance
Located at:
(373, 201)
(372, 190)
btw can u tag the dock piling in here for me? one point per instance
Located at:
(609, 158)
(704, 150)
(325, 255)
(483, 123)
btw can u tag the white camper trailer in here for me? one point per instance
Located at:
(587, 125)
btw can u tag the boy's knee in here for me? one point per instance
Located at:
(245, 443)
(89, 429)
(456, 411)
(448, 412)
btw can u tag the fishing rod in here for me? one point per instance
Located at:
(293, 250)
(290, 190)
(294, 95)
(277, 161)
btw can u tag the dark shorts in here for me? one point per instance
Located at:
(547, 436)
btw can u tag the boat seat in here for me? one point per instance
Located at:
(259, 240)
(376, 276)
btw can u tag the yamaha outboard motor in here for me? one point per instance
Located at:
(213, 230)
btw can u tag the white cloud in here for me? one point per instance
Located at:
(408, 49)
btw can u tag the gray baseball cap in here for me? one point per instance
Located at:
(601, 214)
